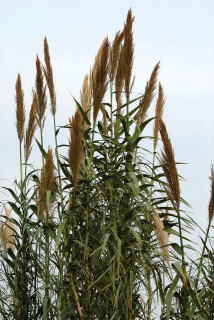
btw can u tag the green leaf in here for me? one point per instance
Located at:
(43, 152)
(176, 247)
(132, 142)
(176, 266)
(57, 131)
(50, 231)
(105, 241)
(13, 194)
(84, 114)
(9, 262)
(169, 296)
(60, 230)
(136, 235)
(15, 208)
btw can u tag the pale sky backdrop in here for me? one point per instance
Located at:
(178, 33)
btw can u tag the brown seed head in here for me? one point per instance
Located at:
(158, 113)
(32, 124)
(75, 153)
(119, 81)
(128, 52)
(211, 202)
(99, 80)
(85, 96)
(149, 93)
(169, 167)
(48, 72)
(47, 187)
(119, 84)
(40, 95)
(7, 232)
(20, 109)
(115, 54)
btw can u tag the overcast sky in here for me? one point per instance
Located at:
(178, 33)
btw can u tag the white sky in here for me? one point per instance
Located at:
(178, 33)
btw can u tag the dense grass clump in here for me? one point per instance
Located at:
(100, 230)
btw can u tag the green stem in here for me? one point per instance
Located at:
(111, 110)
(41, 137)
(127, 111)
(58, 166)
(25, 178)
(184, 276)
(60, 216)
(181, 243)
(35, 282)
(200, 265)
(148, 272)
(202, 254)
(20, 156)
(76, 297)
(91, 146)
(47, 276)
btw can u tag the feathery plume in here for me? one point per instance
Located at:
(162, 235)
(211, 202)
(158, 113)
(75, 153)
(48, 72)
(30, 128)
(128, 52)
(20, 109)
(40, 95)
(115, 54)
(149, 93)
(169, 167)
(85, 96)
(119, 84)
(99, 80)
(47, 186)
(7, 233)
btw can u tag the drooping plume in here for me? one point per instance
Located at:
(99, 81)
(169, 167)
(20, 109)
(48, 72)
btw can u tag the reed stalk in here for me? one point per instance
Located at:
(20, 118)
(86, 235)
(210, 218)
(48, 72)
